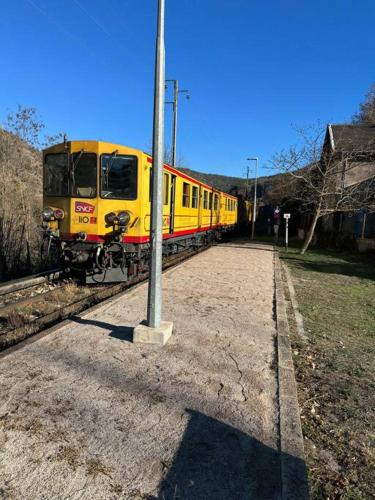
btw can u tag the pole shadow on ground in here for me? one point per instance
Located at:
(217, 461)
(117, 331)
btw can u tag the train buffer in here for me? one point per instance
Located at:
(196, 418)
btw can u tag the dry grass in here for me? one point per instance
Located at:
(335, 372)
(16, 319)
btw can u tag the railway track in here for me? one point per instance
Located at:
(28, 282)
(28, 316)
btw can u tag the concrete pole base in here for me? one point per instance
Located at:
(146, 335)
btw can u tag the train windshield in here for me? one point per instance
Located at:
(119, 177)
(56, 175)
(83, 168)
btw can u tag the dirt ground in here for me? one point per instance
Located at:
(85, 413)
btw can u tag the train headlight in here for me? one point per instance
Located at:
(59, 213)
(123, 218)
(47, 214)
(110, 218)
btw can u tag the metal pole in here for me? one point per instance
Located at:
(255, 199)
(286, 234)
(363, 226)
(247, 181)
(174, 136)
(156, 233)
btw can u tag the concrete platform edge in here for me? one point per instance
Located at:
(293, 465)
(294, 302)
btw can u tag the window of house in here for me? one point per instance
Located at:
(165, 188)
(205, 199)
(186, 194)
(194, 197)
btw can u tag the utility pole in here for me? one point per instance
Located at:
(156, 331)
(253, 219)
(247, 181)
(176, 91)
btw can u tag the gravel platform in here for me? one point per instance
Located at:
(85, 413)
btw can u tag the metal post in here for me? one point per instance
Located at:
(255, 199)
(363, 226)
(254, 215)
(156, 233)
(176, 91)
(286, 234)
(247, 181)
(174, 136)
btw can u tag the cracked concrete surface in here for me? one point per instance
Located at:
(84, 413)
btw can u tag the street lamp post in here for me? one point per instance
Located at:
(156, 331)
(253, 219)
(176, 91)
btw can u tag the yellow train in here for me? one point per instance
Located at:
(97, 209)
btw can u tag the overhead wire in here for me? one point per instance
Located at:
(100, 26)
(62, 29)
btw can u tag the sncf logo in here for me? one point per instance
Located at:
(84, 208)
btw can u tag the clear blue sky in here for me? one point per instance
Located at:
(254, 68)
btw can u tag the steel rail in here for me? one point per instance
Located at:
(6, 308)
(10, 338)
(23, 283)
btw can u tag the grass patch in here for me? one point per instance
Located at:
(335, 370)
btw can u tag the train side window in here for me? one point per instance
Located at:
(215, 202)
(194, 197)
(205, 199)
(186, 194)
(166, 188)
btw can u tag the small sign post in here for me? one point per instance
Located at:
(286, 217)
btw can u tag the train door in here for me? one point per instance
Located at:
(172, 204)
(200, 207)
(210, 206)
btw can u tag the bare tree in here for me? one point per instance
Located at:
(367, 108)
(319, 178)
(25, 124)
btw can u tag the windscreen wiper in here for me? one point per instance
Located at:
(74, 164)
(110, 161)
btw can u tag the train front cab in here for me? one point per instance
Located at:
(88, 185)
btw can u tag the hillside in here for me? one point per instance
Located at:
(20, 205)
(233, 185)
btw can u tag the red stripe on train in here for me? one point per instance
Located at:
(139, 239)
